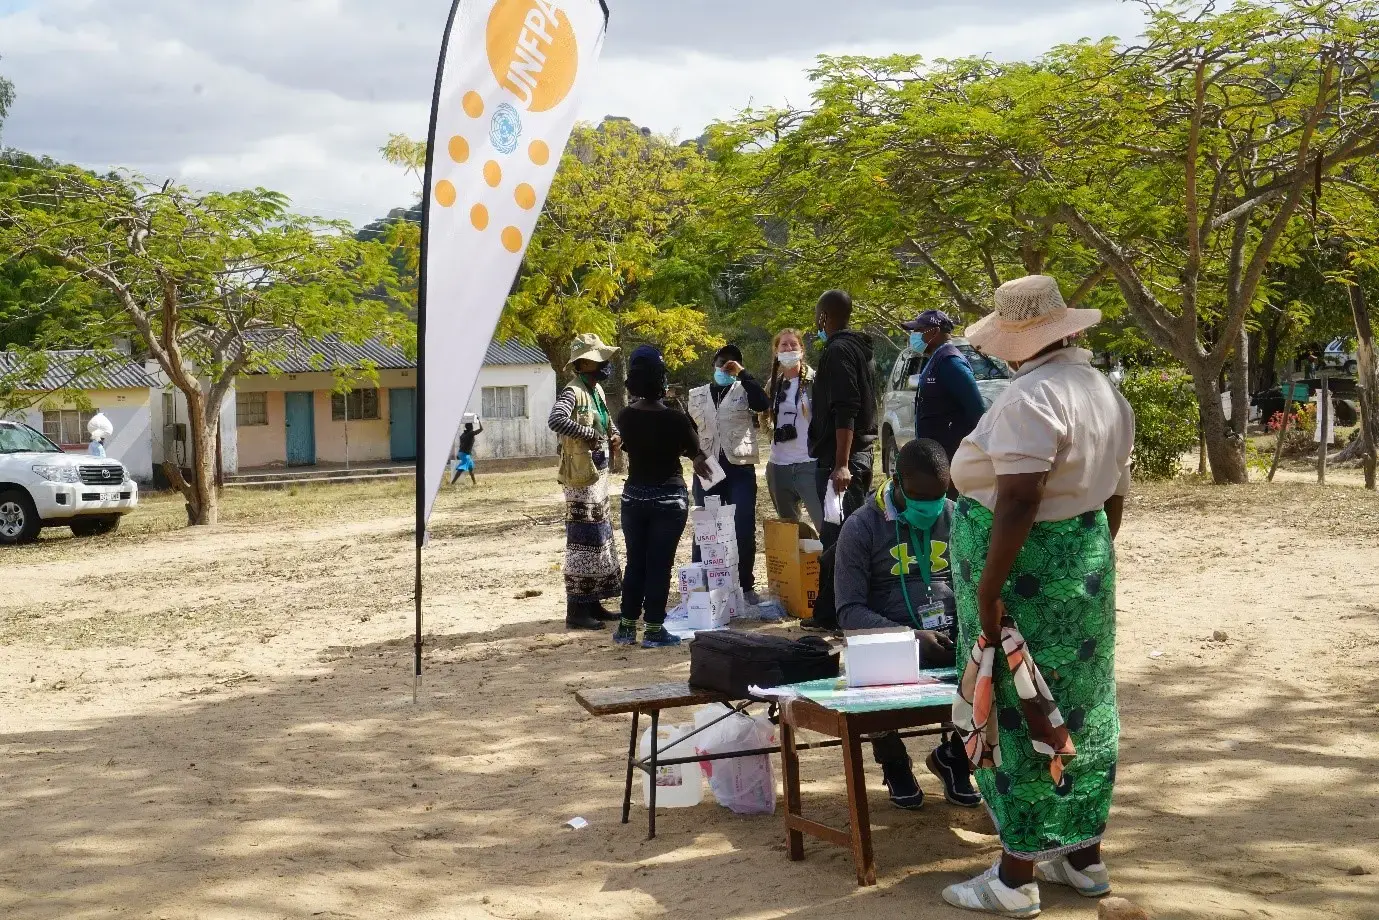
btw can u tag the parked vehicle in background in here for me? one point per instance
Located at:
(898, 403)
(1339, 355)
(41, 486)
(1345, 393)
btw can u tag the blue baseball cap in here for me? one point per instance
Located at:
(930, 319)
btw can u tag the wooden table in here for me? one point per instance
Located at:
(851, 729)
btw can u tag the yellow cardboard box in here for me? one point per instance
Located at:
(793, 573)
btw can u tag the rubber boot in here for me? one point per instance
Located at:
(577, 616)
(603, 614)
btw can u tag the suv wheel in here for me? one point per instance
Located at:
(19, 521)
(890, 454)
(95, 526)
(1351, 367)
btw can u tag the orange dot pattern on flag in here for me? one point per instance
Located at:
(524, 194)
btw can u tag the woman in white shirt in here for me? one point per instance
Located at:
(1043, 480)
(790, 474)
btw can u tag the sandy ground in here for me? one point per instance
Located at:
(218, 725)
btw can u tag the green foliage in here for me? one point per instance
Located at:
(210, 286)
(1165, 420)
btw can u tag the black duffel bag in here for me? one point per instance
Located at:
(730, 662)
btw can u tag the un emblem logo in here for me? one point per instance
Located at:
(506, 128)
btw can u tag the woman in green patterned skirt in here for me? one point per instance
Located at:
(1043, 481)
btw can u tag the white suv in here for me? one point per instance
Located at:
(898, 404)
(40, 486)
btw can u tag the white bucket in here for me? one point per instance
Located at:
(678, 786)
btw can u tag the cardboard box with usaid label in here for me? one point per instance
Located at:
(693, 577)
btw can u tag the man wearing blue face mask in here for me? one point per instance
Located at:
(891, 567)
(725, 412)
(948, 404)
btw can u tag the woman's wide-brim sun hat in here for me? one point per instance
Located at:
(589, 347)
(1030, 316)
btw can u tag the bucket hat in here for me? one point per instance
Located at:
(1030, 316)
(589, 347)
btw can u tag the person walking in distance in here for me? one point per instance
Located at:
(725, 413)
(790, 473)
(843, 429)
(464, 457)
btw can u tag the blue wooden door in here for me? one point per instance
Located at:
(301, 429)
(402, 423)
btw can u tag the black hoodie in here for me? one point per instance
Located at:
(844, 397)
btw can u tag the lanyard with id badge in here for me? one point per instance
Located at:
(931, 615)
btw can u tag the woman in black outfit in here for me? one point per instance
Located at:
(655, 503)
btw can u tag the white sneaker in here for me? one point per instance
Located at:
(987, 894)
(1091, 882)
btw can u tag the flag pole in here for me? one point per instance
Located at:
(421, 342)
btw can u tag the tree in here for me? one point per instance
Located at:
(212, 285)
(1176, 169)
(6, 98)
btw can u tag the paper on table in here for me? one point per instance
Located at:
(718, 475)
(833, 506)
(773, 693)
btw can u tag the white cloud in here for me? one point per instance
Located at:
(298, 95)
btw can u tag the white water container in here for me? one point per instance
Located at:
(678, 786)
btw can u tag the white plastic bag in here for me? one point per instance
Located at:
(743, 785)
(833, 506)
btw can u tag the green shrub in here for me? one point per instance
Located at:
(1165, 419)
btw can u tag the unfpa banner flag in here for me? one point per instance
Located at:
(510, 77)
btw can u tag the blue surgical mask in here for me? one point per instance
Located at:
(917, 341)
(723, 378)
(823, 336)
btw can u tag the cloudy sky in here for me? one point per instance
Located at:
(297, 95)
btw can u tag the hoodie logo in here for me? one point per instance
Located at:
(904, 559)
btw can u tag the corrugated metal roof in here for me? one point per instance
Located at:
(83, 370)
(296, 354)
(513, 352)
(304, 356)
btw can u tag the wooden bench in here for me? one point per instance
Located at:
(653, 699)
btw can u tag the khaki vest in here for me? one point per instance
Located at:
(729, 428)
(577, 470)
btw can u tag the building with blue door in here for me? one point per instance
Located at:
(298, 414)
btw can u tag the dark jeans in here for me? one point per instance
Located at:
(826, 607)
(860, 464)
(740, 491)
(652, 522)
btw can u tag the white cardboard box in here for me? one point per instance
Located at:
(722, 576)
(719, 553)
(693, 577)
(705, 521)
(882, 658)
(710, 610)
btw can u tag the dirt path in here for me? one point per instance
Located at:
(233, 738)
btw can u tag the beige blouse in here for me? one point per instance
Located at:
(1061, 416)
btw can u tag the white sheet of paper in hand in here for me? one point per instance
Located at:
(833, 506)
(718, 475)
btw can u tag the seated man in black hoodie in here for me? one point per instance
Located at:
(891, 567)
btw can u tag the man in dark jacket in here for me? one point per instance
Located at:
(948, 404)
(843, 429)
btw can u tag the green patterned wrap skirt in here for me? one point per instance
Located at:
(1062, 596)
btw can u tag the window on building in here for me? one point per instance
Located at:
(357, 405)
(251, 409)
(505, 402)
(67, 426)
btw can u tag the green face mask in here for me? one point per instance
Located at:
(921, 515)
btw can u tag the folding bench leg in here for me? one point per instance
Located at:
(631, 769)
